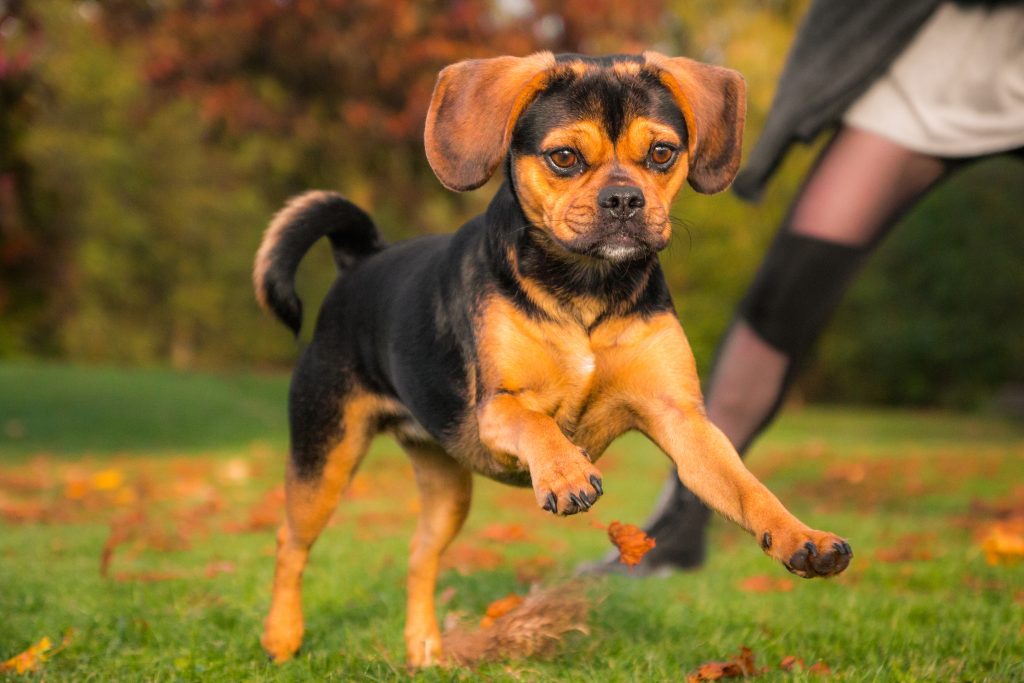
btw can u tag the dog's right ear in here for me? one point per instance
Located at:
(472, 113)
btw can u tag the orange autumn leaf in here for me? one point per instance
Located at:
(740, 665)
(631, 541)
(30, 659)
(1004, 542)
(504, 532)
(762, 583)
(499, 608)
(790, 661)
(820, 668)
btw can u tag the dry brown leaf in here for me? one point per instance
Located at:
(500, 608)
(740, 665)
(762, 583)
(30, 659)
(631, 541)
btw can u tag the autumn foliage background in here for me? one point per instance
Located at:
(144, 146)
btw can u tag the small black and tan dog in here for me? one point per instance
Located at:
(521, 345)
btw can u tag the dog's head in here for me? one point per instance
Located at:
(597, 147)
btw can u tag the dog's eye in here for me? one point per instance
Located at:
(661, 155)
(564, 158)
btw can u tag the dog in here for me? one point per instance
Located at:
(521, 345)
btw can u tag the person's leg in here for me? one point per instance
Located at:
(860, 185)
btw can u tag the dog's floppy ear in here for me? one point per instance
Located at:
(472, 112)
(714, 103)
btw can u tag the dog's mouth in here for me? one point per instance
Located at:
(617, 242)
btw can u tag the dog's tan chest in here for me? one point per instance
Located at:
(584, 380)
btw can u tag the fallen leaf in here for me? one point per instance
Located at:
(499, 608)
(222, 567)
(741, 665)
(820, 668)
(30, 659)
(762, 583)
(631, 541)
(1003, 542)
(504, 533)
(466, 559)
(790, 661)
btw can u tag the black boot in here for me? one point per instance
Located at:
(679, 527)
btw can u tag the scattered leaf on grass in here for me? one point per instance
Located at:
(791, 662)
(1003, 542)
(631, 541)
(504, 533)
(740, 665)
(30, 659)
(536, 627)
(820, 668)
(499, 608)
(762, 583)
(465, 559)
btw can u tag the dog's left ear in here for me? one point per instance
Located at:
(714, 103)
(474, 107)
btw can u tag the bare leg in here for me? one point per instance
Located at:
(859, 187)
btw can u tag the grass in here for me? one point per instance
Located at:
(185, 595)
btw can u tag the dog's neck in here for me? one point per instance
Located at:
(539, 275)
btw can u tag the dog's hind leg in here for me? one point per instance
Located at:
(330, 435)
(445, 491)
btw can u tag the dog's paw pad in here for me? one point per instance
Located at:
(827, 556)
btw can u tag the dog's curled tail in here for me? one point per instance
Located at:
(305, 219)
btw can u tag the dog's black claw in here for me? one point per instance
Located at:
(596, 483)
(847, 548)
(842, 548)
(587, 499)
(551, 504)
(580, 505)
(766, 540)
(812, 550)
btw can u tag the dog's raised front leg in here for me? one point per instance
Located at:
(655, 372)
(564, 480)
(708, 465)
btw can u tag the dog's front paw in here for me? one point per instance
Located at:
(808, 553)
(567, 485)
(282, 634)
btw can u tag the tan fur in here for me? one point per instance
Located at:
(472, 111)
(714, 119)
(308, 507)
(445, 489)
(567, 206)
(281, 220)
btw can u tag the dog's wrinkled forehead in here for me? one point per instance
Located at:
(610, 91)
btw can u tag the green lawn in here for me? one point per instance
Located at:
(184, 462)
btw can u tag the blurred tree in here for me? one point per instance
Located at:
(32, 252)
(144, 145)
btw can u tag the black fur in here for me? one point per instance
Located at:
(350, 230)
(400, 322)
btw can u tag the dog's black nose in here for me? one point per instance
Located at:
(621, 201)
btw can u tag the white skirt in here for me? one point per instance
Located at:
(957, 90)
